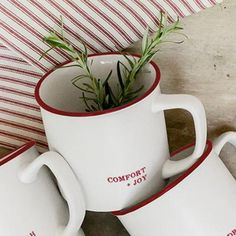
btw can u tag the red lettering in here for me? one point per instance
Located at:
(115, 179)
(133, 175)
(233, 232)
(139, 180)
(127, 176)
(121, 178)
(110, 180)
(143, 169)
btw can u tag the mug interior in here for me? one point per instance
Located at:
(56, 93)
(16, 152)
(179, 154)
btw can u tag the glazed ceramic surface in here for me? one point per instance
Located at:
(200, 202)
(30, 202)
(117, 154)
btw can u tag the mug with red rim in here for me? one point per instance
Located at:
(30, 201)
(115, 153)
(199, 202)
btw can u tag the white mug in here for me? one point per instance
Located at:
(199, 202)
(115, 153)
(30, 201)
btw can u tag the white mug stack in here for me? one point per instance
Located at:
(116, 160)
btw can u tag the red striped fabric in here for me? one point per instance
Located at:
(20, 118)
(103, 25)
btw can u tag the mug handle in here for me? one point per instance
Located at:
(195, 107)
(227, 137)
(69, 185)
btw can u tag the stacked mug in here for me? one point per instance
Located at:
(31, 204)
(118, 160)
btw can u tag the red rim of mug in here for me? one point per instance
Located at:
(16, 153)
(172, 184)
(85, 114)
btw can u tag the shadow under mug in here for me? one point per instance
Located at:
(30, 202)
(200, 202)
(115, 153)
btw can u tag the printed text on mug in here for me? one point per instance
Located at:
(232, 233)
(132, 178)
(32, 234)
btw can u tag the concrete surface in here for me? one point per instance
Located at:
(204, 66)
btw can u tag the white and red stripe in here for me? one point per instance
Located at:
(102, 25)
(20, 118)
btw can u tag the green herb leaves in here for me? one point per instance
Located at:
(97, 94)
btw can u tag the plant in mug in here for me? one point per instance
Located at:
(97, 93)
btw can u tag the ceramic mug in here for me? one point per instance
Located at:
(115, 153)
(30, 201)
(200, 202)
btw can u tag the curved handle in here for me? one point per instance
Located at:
(195, 107)
(68, 183)
(227, 137)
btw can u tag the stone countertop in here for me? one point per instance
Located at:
(203, 66)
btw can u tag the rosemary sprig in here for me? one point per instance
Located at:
(149, 50)
(94, 87)
(97, 94)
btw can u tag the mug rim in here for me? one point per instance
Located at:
(173, 184)
(15, 153)
(95, 113)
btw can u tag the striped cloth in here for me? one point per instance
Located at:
(20, 119)
(104, 25)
